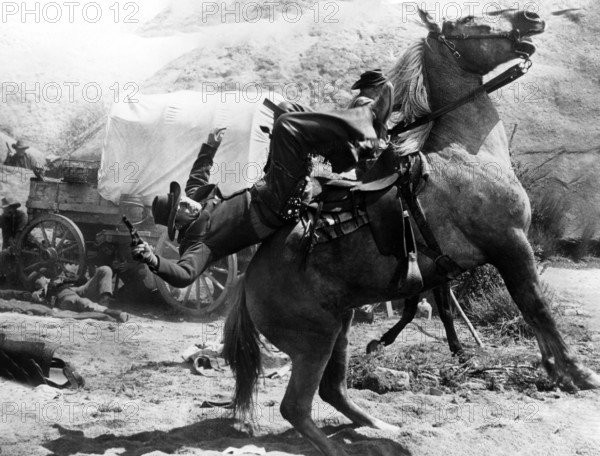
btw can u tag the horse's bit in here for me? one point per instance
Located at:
(523, 48)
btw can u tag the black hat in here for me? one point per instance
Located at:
(10, 201)
(19, 146)
(371, 78)
(164, 209)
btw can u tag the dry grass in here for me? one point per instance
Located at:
(430, 365)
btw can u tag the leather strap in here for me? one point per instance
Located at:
(496, 83)
(446, 266)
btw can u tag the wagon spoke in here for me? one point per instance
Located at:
(209, 294)
(43, 228)
(62, 240)
(66, 260)
(216, 282)
(69, 248)
(30, 252)
(34, 266)
(211, 287)
(55, 233)
(187, 295)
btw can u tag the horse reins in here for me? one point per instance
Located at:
(508, 76)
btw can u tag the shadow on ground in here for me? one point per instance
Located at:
(216, 435)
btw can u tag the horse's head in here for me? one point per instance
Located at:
(481, 43)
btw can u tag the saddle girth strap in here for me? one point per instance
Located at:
(446, 266)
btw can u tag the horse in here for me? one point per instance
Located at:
(476, 208)
(440, 295)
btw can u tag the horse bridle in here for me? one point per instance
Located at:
(496, 83)
(523, 48)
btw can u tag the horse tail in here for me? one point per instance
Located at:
(241, 349)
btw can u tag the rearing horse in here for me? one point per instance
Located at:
(477, 209)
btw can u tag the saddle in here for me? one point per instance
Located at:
(341, 206)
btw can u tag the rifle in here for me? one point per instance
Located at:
(9, 151)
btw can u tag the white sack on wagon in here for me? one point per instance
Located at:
(154, 139)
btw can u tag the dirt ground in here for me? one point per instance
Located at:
(140, 397)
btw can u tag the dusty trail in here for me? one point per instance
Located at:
(140, 399)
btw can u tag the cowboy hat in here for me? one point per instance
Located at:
(10, 201)
(19, 146)
(164, 208)
(371, 78)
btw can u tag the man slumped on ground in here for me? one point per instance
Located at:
(93, 296)
(220, 226)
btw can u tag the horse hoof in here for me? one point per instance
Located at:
(463, 356)
(373, 346)
(586, 379)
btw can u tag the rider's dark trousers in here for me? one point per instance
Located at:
(337, 136)
(250, 216)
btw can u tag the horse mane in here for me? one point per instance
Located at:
(410, 97)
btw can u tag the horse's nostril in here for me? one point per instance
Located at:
(531, 16)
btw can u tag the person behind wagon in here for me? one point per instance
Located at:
(12, 223)
(20, 158)
(221, 226)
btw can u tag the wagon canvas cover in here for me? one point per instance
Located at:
(152, 140)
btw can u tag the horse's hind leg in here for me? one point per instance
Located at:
(441, 299)
(308, 363)
(333, 387)
(408, 315)
(517, 267)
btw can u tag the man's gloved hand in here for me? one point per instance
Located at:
(144, 253)
(215, 137)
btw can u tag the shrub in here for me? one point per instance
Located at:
(488, 304)
(548, 209)
(585, 245)
(547, 223)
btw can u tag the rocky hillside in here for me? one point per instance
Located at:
(313, 52)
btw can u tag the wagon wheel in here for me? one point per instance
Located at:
(207, 292)
(53, 243)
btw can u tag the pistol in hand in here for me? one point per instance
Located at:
(135, 237)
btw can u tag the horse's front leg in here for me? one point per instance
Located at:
(517, 267)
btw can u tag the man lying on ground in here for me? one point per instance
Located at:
(93, 296)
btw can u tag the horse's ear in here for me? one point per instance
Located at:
(428, 21)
